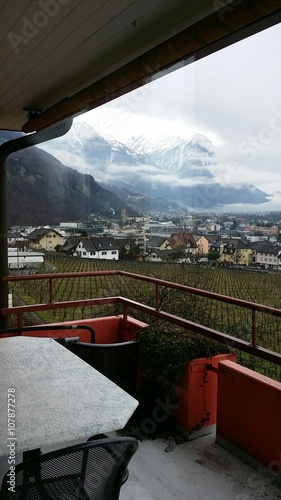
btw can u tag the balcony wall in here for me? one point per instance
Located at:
(249, 416)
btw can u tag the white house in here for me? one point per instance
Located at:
(97, 248)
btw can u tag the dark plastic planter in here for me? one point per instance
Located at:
(118, 362)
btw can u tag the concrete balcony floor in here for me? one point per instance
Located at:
(199, 469)
(196, 470)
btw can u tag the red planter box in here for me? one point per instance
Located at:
(197, 393)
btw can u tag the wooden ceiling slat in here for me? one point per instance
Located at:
(43, 70)
(10, 19)
(59, 68)
(46, 40)
(202, 36)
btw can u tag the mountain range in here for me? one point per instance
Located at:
(173, 170)
(41, 190)
(82, 172)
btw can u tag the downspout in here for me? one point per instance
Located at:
(6, 149)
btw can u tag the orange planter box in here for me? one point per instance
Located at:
(197, 393)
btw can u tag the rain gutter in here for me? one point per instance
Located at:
(6, 149)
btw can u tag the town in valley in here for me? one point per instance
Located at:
(246, 241)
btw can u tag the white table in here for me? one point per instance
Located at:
(58, 397)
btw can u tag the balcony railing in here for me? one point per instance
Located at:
(251, 347)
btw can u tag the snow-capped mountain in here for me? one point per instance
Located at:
(184, 158)
(88, 149)
(198, 143)
(171, 168)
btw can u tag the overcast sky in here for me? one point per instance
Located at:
(233, 97)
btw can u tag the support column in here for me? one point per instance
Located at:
(6, 149)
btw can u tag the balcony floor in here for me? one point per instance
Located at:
(196, 470)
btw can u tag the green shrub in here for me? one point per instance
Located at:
(164, 350)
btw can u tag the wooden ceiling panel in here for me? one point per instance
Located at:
(101, 43)
(76, 44)
(62, 56)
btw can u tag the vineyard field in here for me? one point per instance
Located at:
(262, 288)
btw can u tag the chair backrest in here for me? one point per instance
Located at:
(118, 362)
(89, 471)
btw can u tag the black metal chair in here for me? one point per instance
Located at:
(104, 436)
(89, 471)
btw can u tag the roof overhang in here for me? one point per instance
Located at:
(60, 58)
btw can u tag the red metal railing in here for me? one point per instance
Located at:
(249, 347)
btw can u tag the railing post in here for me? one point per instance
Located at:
(4, 289)
(157, 302)
(254, 329)
(19, 320)
(125, 316)
(50, 291)
(6, 149)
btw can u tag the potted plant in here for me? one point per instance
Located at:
(176, 384)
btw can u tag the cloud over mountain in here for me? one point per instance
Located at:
(176, 169)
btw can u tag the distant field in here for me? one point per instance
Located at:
(263, 288)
